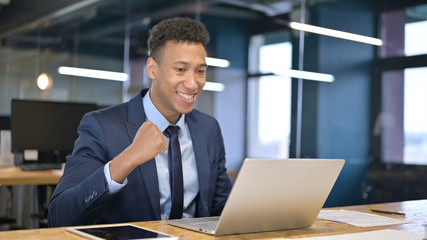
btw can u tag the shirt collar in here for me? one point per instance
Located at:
(153, 114)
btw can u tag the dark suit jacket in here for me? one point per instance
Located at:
(81, 196)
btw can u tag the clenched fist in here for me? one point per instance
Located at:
(148, 142)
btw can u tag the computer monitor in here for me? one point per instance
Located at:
(46, 127)
(4, 123)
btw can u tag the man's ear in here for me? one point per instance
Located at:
(151, 68)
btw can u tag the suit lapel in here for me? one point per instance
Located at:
(148, 171)
(202, 161)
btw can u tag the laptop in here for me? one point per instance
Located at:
(271, 195)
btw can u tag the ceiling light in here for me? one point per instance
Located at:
(214, 86)
(335, 33)
(306, 75)
(44, 82)
(4, 2)
(92, 73)
(217, 62)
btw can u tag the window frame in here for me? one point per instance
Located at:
(384, 64)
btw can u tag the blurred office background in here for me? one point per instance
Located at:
(372, 113)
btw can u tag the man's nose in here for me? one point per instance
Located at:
(191, 81)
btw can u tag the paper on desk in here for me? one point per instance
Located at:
(385, 234)
(359, 219)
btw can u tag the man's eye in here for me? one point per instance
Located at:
(180, 69)
(201, 71)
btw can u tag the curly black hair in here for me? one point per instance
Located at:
(178, 29)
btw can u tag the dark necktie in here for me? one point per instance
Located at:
(175, 173)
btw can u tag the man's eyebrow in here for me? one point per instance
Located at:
(187, 63)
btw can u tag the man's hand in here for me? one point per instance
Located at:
(148, 142)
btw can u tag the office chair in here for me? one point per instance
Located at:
(8, 220)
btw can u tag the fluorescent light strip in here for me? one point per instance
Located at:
(118, 76)
(217, 62)
(335, 33)
(214, 86)
(92, 73)
(306, 75)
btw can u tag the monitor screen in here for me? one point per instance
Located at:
(45, 126)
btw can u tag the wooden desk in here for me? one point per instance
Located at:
(15, 176)
(416, 212)
(44, 180)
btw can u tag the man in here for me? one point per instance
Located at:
(118, 171)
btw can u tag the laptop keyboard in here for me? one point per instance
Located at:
(39, 166)
(211, 226)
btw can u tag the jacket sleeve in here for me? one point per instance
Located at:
(82, 192)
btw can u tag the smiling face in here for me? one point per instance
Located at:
(178, 77)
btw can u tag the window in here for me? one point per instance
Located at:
(415, 116)
(416, 38)
(269, 100)
(403, 70)
(403, 32)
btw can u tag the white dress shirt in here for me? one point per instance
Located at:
(189, 167)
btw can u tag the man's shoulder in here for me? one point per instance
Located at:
(113, 110)
(120, 109)
(200, 115)
(203, 118)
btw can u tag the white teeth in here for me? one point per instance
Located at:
(186, 96)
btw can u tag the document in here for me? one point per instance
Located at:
(385, 234)
(359, 219)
